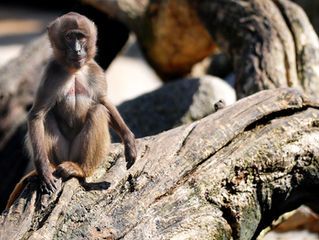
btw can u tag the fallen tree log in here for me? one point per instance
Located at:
(226, 176)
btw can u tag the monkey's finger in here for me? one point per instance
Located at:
(44, 189)
(53, 185)
(129, 165)
(49, 186)
(129, 161)
(130, 156)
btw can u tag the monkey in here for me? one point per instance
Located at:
(68, 124)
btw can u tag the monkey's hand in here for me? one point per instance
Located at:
(48, 182)
(130, 151)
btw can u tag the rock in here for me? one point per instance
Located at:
(174, 104)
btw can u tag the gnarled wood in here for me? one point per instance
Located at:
(217, 178)
(271, 43)
(170, 33)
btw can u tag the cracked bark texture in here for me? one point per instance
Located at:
(216, 178)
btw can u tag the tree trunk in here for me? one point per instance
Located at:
(269, 50)
(226, 176)
(311, 7)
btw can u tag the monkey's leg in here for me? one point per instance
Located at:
(57, 145)
(59, 151)
(90, 146)
(18, 189)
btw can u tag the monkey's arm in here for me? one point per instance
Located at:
(35, 121)
(124, 132)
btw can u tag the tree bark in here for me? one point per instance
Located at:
(311, 7)
(269, 48)
(226, 176)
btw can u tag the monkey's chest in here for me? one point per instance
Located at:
(76, 89)
(74, 103)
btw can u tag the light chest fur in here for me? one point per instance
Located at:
(75, 99)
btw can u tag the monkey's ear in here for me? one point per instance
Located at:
(52, 30)
(53, 24)
(93, 30)
(50, 26)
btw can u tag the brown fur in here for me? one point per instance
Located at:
(18, 189)
(68, 132)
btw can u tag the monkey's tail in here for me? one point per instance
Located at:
(18, 189)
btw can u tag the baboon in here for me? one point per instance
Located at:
(68, 124)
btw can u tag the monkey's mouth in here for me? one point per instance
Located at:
(79, 59)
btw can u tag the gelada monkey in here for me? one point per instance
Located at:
(68, 133)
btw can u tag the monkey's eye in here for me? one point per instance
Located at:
(82, 39)
(68, 37)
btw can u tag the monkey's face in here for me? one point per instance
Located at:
(73, 39)
(75, 48)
